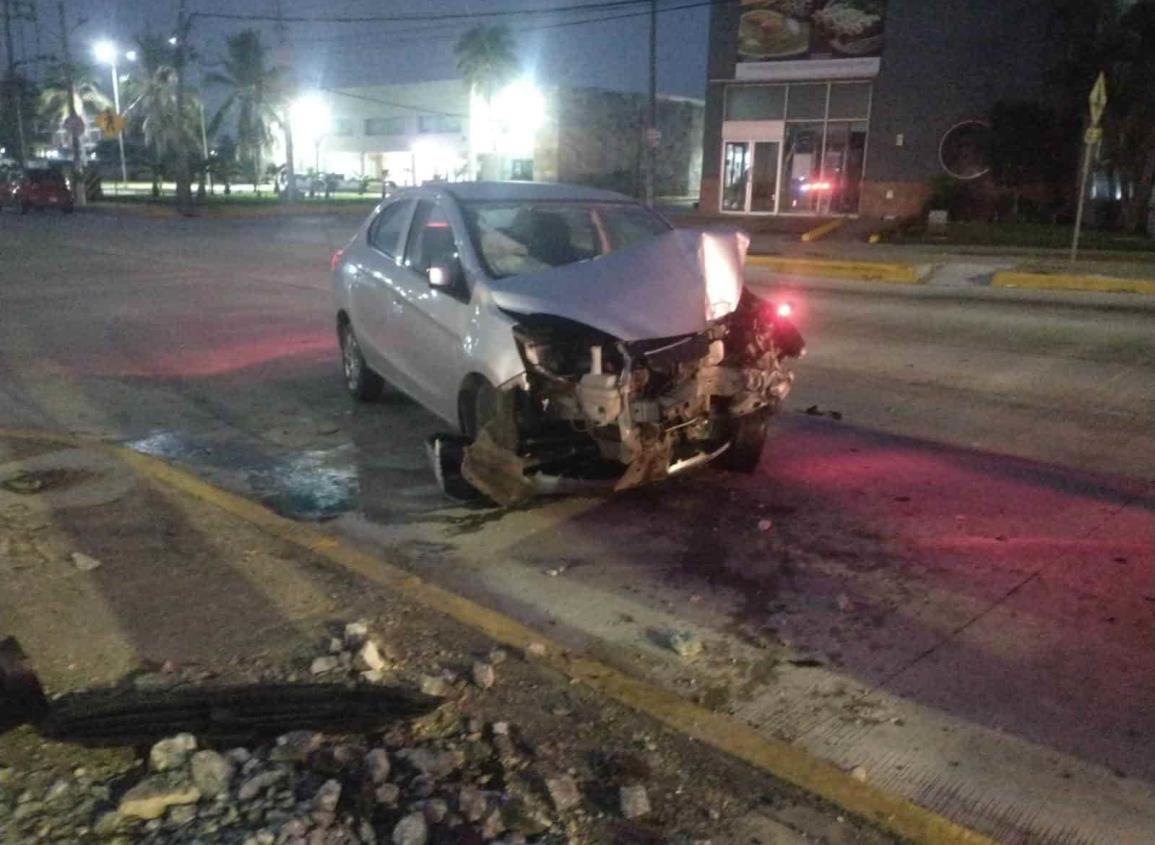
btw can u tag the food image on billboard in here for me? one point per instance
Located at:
(775, 30)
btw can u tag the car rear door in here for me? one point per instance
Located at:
(372, 295)
(431, 323)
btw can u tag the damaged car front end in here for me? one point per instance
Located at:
(638, 366)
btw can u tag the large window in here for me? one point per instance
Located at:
(439, 123)
(385, 125)
(823, 149)
(343, 127)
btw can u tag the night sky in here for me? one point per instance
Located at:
(609, 54)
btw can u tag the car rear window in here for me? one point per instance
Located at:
(44, 177)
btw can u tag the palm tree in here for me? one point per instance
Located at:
(486, 58)
(258, 98)
(151, 92)
(87, 97)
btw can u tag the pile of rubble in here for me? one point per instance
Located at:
(445, 778)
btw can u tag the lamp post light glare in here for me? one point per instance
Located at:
(107, 53)
(309, 118)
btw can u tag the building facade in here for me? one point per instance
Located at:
(418, 132)
(845, 107)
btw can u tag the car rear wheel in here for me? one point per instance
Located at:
(747, 442)
(362, 383)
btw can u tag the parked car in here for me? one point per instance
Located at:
(36, 188)
(571, 335)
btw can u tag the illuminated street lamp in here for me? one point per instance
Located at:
(107, 53)
(309, 116)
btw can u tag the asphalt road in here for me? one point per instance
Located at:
(956, 589)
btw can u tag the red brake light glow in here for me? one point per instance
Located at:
(336, 259)
(784, 310)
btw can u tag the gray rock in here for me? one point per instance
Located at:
(377, 765)
(435, 809)
(563, 792)
(432, 685)
(324, 665)
(369, 657)
(295, 746)
(356, 633)
(328, 796)
(685, 643)
(108, 824)
(493, 825)
(27, 809)
(171, 753)
(635, 803)
(435, 764)
(58, 789)
(150, 798)
(472, 803)
(411, 830)
(258, 783)
(484, 675)
(211, 773)
(84, 563)
(387, 794)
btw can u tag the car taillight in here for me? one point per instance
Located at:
(784, 310)
(336, 259)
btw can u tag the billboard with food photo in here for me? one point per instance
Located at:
(774, 30)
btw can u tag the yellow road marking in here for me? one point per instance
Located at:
(1064, 281)
(819, 232)
(782, 760)
(866, 271)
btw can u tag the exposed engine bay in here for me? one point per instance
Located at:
(595, 411)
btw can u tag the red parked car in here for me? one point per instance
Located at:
(39, 187)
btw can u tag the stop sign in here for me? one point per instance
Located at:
(74, 124)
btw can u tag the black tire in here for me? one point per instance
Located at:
(747, 442)
(476, 406)
(363, 384)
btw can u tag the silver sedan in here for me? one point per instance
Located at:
(569, 336)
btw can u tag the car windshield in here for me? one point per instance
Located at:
(518, 237)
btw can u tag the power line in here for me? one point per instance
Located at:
(415, 34)
(603, 5)
(380, 101)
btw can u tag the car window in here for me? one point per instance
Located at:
(386, 231)
(514, 238)
(431, 240)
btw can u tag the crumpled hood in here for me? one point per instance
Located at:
(669, 285)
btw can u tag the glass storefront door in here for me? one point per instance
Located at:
(735, 175)
(750, 176)
(764, 179)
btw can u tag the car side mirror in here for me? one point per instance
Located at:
(444, 276)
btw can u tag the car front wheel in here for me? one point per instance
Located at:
(362, 383)
(747, 442)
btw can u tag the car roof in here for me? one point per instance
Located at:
(520, 191)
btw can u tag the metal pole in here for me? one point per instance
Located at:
(79, 188)
(652, 121)
(119, 132)
(15, 92)
(183, 184)
(1082, 199)
(205, 144)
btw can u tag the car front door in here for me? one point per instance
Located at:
(372, 288)
(431, 322)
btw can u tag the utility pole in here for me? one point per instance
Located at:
(74, 123)
(652, 137)
(183, 180)
(14, 86)
(287, 121)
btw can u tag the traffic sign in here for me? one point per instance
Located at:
(110, 123)
(1098, 99)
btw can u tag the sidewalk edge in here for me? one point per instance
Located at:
(1071, 281)
(865, 271)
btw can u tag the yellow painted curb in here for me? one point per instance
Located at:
(865, 271)
(819, 232)
(779, 759)
(1062, 281)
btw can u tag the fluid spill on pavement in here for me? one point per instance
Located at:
(309, 485)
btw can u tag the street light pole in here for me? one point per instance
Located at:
(651, 139)
(120, 130)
